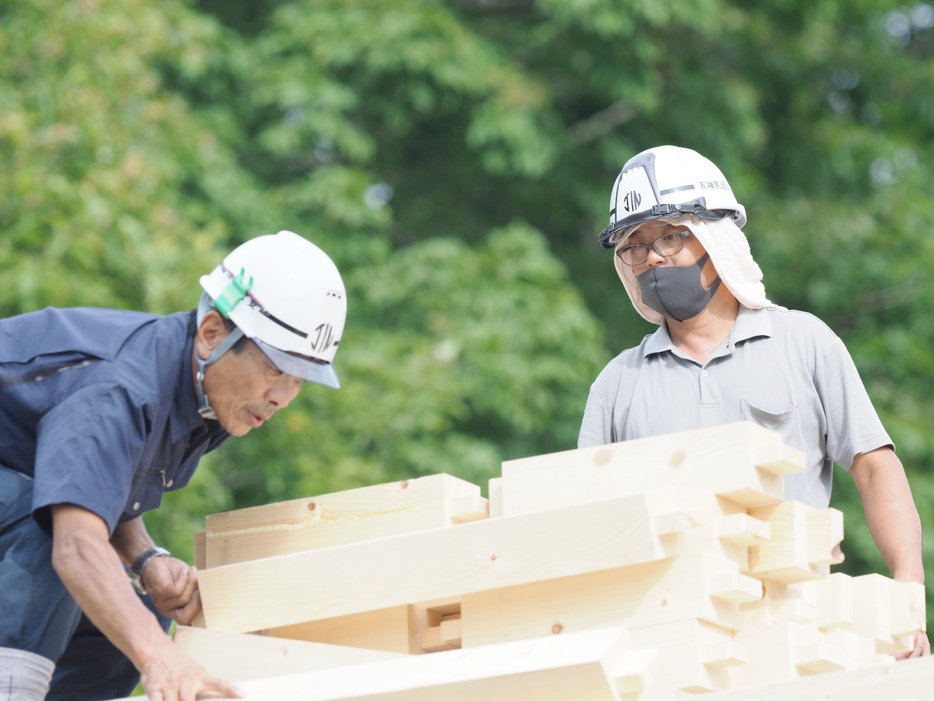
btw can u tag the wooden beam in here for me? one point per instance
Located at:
(694, 657)
(343, 517)
(417, 567)
(199, 559)
(392, 629)
(238, 656)
(889, 612)
(909, 680)
(690, 586)
(802, 543)
(558, 668)
(741, 461)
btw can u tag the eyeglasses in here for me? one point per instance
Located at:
(665, 245)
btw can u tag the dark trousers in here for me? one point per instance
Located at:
(37, 614)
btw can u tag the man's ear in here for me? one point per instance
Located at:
(210, 333)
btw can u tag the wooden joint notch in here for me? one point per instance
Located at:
(818, 658)
(469, 507)
(735, 588)
(743, 529)
(443, 631)
(801, 542)
(632, 674)
(445, 636)
(781, 460)
(723, 653)
(825, 533)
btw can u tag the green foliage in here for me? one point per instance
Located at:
(455, 159)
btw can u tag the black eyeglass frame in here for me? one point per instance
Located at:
(644, 247)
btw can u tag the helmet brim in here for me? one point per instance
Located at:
(310, 370)
(606, 235)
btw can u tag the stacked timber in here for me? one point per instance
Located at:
(648, 570)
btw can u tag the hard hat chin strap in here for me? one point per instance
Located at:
(204, 405)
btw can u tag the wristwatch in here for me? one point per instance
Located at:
(136, 571)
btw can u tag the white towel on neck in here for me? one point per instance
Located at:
(729, 252)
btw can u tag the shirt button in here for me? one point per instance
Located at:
(136, 506)
(169, 483)
(704, 373)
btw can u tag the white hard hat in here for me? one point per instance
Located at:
(664, 182)
(287, 296)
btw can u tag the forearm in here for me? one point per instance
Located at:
(131, 539)
(890, 512)
(91, 570)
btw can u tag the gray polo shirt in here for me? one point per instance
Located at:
(784, 370)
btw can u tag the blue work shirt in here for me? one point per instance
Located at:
(99, 406)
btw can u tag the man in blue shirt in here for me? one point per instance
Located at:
(101, 411)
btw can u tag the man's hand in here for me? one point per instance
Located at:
(922, 649)
(85, 558)
(173, 586)
(170, 675)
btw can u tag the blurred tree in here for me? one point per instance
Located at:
(455, 159)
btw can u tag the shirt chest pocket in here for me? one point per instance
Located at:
(147, 493)
(785, 422)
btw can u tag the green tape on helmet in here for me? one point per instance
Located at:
(233, 293)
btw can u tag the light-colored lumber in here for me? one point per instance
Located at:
(240, 656)
(352, 503)
(908, 680)
(417, 567)
(496, 497)
(803, 540)
(741, 461)
(786, 649)
(693, 586)
(834, 600)
(392, 629)
(199, 559)
(743, 529)
(559, 668)
(704, 522)
(889, 612)
(378, 511)
(693, 657)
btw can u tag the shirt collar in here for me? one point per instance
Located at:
(750, 323)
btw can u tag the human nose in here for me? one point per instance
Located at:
(284, 390)
(653, 257)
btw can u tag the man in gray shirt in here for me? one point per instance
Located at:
(723, 352)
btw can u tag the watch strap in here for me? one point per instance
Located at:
(136, 570)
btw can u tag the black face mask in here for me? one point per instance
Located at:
(676, 291)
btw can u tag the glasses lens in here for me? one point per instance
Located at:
(669, 244)
(665, 245)
(633, 254)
